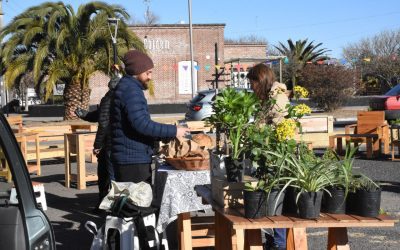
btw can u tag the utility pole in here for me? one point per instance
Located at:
(2, 84)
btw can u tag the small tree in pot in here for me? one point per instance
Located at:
(233, 112)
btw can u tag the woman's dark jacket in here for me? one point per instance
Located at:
(133, 132)
(102, 116)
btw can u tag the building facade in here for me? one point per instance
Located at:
(169, 47)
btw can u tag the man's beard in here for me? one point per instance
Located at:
(146, 85)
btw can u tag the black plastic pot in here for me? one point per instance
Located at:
(254, 204)
(234, 171)
(364, 203)
(275, 202)
(289, 201)
(309, 204)
(334, 203)
(351, 203)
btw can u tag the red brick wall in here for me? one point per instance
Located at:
(171, 45)
(235, 50)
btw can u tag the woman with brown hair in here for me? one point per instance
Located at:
(262, 81)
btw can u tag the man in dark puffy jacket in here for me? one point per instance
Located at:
(102, 143)
(133, 131)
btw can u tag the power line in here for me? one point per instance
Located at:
(316, 24)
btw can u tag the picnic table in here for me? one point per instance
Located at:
(245, 233)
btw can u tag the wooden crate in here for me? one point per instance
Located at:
(315, 124)
(229, 194)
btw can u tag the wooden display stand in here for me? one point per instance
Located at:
(234, 231)
(229, 194)
(76, 144)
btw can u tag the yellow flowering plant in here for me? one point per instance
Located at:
(300, 92)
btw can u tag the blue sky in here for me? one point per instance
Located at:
(334, 23)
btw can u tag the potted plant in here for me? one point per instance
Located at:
(310, 177)
(233, 111)
(268, 155)
(254, 199)
(364, 198)
(335, 201)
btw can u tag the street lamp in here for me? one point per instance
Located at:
(113, 28)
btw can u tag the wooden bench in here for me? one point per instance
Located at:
(51, 139)
(15, 122)
(372, 142)
(234, 231)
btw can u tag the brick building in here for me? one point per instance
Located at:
(169, 47)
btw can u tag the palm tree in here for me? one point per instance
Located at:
(299, 54)
(61, 46)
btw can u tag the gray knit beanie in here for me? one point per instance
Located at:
(137, 62)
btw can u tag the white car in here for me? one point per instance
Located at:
(32, 100)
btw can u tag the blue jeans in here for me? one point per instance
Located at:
(280, 237)
(277, 240)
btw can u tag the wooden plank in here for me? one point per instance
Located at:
(224, 237)
(253, 239)
(203, 242)
(342, 217)
(296, 239)
(338, 239)
(185, 234)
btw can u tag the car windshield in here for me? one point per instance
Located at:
(394, 91)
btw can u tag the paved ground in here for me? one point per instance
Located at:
(70, 208)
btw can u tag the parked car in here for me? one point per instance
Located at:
(389, 102)
(23, 225)
(200, 107)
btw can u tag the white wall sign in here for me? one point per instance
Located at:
(156, 44)
(185, 83)
(59, 89)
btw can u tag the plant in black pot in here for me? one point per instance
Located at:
(268, 155)
(310, 178)
(335, 201)
(254, 199)
(233, 112)
(364, 198)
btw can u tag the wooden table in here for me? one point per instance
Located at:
(23, 139)
(245, 233)
(372, 142)
(76, 144)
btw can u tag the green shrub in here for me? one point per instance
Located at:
(329, 85)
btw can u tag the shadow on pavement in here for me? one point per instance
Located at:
(76, 212)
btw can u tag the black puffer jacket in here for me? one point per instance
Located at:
(102, 116)
(103, 135)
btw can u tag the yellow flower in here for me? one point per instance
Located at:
(299, 91)
(285, 129)
(302, 109)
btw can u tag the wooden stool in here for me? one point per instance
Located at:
(40, 195)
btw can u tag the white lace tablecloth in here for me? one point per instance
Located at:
(179, 195)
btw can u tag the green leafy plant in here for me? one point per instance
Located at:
(395, 122)
(362, 182)
(233, 111)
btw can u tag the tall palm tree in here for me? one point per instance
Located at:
(61, 46)
(299, 54)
